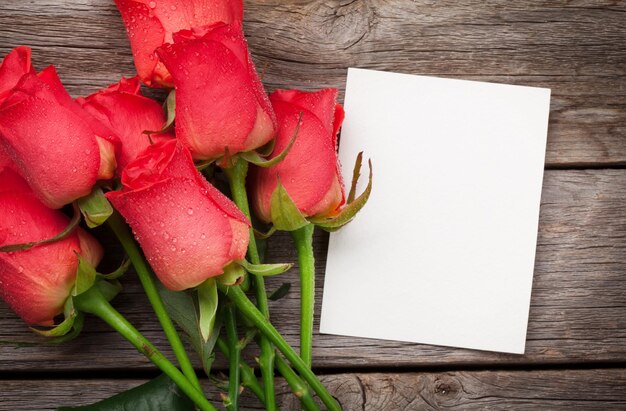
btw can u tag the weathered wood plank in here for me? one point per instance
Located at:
(578, 309)
(554, 390)
(576, 48)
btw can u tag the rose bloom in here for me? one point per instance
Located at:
(123, 109)
(36, 282)
(188, 230)
(53, 143)
(220, 101)
(150, 24)
(310, 171)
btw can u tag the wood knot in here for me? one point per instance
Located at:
(447, 390)
(345, 23)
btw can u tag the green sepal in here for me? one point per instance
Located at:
(66, 231)
(267, 149)
(265, 270)
(350, 210)
(255, 158)
(356, 173)
(62, 329)
(85, 276)
(69, 329)
(264, 235)
(207, 302)
(160, 393)
(120, 271)
(169, 106)
(280, 292)
(204, 165)
(284, 212)
(79, 321)
(233, 275)
(95, 208)
(109, 289)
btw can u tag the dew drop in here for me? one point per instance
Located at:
(152, 4)
(20, 269)
(190, 211)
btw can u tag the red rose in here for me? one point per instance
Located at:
(55, 145)
(188, 230)
(150, 24)
(36, 282)
(13, 67)
(220, 101)
(310, 171)
(123, 109)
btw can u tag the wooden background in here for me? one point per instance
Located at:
(576, 347)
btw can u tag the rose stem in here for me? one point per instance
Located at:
(122, 232)
(248, 379)
(232, 402)
(93, 302)
(237, 296)
(303, 239)
(237, 180)
(299, 388)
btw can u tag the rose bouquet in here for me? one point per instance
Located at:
(151, 173)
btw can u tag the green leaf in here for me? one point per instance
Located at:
(285, 214)
(160, 394)
(85, 276)
(170, 111)
(66, 231)
(207, 301)
(265, 270)
(348, 212)
(254, 157)
(233, 275)
(95, 208)
(118, 272)
(280, 292)
(182, 309)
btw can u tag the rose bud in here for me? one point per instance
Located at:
(123, 109)
(13, 67)
(57, 147)
(188, 230)
(310, 171)
(150, 24)
(36, 282)
(220, 101)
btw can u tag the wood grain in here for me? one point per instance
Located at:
(576, 48)
(554, 390)
(577, 314)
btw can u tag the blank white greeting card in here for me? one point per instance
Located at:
(444, 251)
